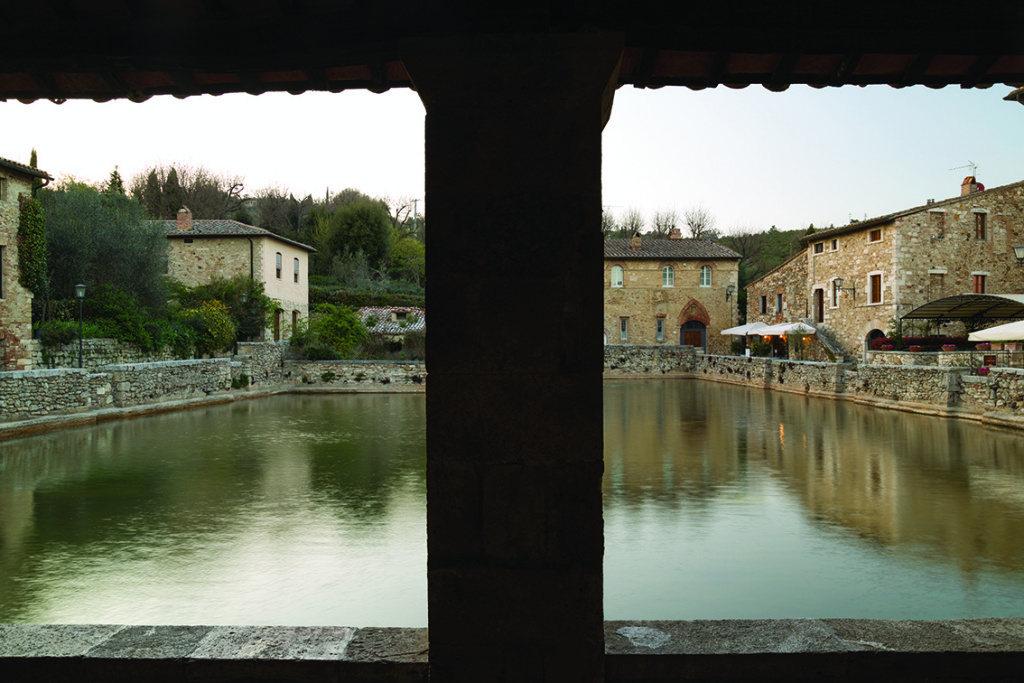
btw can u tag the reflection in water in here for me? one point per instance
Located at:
(295, 510)
(720, 502)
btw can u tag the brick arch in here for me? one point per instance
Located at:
(693, 310)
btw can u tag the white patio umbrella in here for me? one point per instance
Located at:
(1008, 332)
(744, 330)
(786, 328)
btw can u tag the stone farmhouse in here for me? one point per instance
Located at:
(853, 280)
(669, 291)
(201, 250)
(15, 301)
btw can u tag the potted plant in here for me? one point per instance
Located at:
(886, 347)
(1013, 346)
(983, 371)
(914, 348)
(997, 346)
(949, 347)
(983, 346)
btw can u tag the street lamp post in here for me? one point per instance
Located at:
(80, 295)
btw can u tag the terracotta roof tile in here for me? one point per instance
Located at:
(651, 248)
(224, 228)
(386, 325)
(22, 168)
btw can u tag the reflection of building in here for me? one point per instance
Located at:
(852, 280)
(15, 301)
(669, 291)
(201, 250)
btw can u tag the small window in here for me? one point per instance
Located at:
(616, 276)
(668, 277)
(295, 322)
(3, 189)
(979, 281)
(875, 236)
(764, 303)
(835, 294)
(835, 245)
(979, 226)
(875, 288)
(819, 247)
(296, 270)
(661, 329)
(279, 257)
(705, 276)
(623, 329)
(778, 303)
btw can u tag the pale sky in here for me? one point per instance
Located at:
(753, 158)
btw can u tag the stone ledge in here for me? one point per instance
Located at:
(636, 651)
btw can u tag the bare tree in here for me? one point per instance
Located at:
(663, 222)
(165, 189)
(632, 222)
(609, 226)
(700, 222)
(400, 212)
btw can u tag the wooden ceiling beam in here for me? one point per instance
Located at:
(847, 65)
(782, 77)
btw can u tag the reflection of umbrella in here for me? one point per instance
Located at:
(786, 328)
(1007, 332)
(743, 330)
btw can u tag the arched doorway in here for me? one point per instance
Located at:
(694, 333)
(872, 336)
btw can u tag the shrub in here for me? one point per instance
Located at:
(212, 324)
(760, 348)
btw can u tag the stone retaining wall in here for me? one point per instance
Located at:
(954, 390)
(95, 354)
(356, 372)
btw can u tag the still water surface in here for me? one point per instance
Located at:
(720, 502)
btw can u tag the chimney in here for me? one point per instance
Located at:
(635, 244)
(968, 186)
(184, 218)
(675, 234)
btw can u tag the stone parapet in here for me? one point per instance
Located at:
(624, 359)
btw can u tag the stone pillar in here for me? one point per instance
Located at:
(514, 419)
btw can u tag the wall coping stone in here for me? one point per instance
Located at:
(735, 650)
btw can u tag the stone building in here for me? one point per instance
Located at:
(15, 301)
(669, 291)
(852, 281)
(201, 250)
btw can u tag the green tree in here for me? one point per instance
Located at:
(115, 185)
(94, 240)
(334, 329)
(408, 261)
(245, 300)
(363, 226)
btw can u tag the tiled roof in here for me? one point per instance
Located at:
(224, 228)
(888, 218)
(384, 323)
(651, 248)
(22, 168)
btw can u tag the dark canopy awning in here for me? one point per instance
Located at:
(971, 307)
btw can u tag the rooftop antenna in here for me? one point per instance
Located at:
(971, 165)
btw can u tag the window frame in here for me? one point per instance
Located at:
(835, 245)
(296, 270)
(621, 272)
(778, 302)
(819, 247)
(835, 291)
(876, 292)
(874, 235)
(623, 328)
(279, 262)
(980, 282)
(3, 188)
(980, 225)
(764, 304)
(668, 276)
(710, 277)
(660, 328)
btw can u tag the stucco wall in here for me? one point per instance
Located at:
(15, 300)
